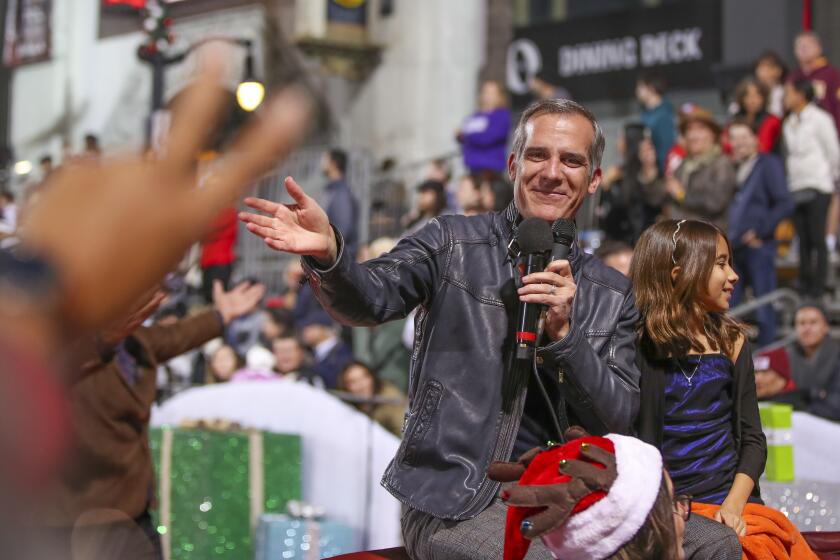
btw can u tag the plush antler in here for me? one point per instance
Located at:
(511, 471)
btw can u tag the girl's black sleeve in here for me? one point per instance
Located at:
(753, 452)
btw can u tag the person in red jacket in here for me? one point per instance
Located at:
(217, 252)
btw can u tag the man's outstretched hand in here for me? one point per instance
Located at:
(301, 228)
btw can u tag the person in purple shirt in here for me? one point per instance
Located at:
(484, 134)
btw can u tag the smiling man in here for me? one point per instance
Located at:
(471, 403)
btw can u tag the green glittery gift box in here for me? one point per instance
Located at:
(212, 487)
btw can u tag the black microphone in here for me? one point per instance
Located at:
(535, 242)
(563, 231)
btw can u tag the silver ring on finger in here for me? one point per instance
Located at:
(553, 289)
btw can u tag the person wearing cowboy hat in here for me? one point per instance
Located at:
(704, 184)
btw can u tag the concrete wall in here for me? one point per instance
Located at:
(425, 85)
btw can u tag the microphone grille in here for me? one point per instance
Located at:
(534, 236)
(563, 231)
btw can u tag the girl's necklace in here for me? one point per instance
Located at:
(689, 377)
(699, 359)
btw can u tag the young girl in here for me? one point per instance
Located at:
(698, 401)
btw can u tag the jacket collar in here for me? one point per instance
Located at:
(510, 222)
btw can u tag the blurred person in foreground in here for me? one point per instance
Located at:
(109, 473)
(761, 202)
(484, 134)
(379, 399)
(813, 168)
(65, 282)
(704, 184)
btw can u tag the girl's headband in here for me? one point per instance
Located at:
(674, 239)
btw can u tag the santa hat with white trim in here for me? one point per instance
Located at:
(585, 499)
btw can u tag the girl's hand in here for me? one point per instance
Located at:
(732, 519)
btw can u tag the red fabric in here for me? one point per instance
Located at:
(544, 470)
(768, 133)
(675, 157)
(136, 4)
(35, 419)
(217, 248)
(778, 362)
(770, 535)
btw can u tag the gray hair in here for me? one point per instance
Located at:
(559, 107)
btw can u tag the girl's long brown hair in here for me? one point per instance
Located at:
(672, 319)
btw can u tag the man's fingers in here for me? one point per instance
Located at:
(547, 278)
(296, 192)
(278, 244)
(196, 115)
(256, 219)
(262, 205)
(548, 300)
(264, 232)
(561, 267)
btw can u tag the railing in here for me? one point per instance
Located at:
(257, 261)
(778, 295)
(777, 298)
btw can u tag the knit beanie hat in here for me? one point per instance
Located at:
(777, 360)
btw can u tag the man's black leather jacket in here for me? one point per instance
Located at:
(466, 399)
